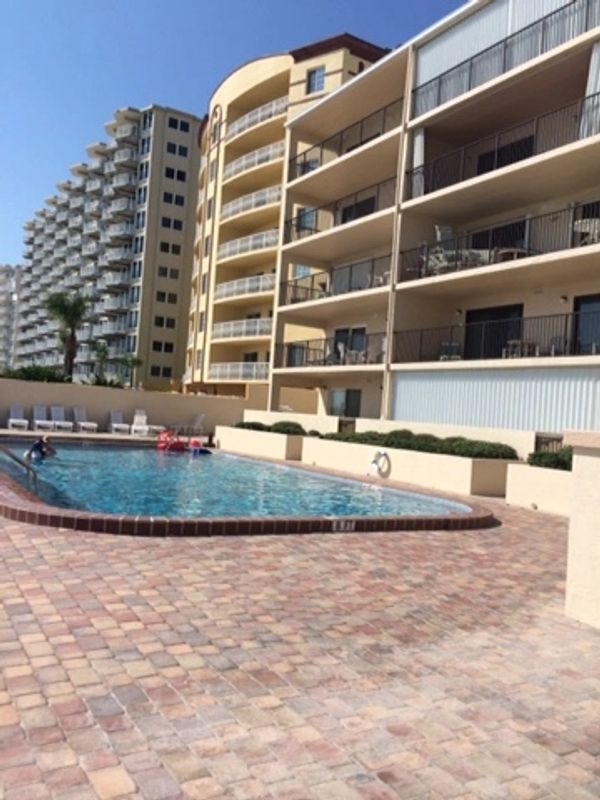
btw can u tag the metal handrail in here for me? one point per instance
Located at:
(31, 473)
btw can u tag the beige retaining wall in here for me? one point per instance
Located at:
(163, 408)
(259, 443)
(547, 490)
(433, 471)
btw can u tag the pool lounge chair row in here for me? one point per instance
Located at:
(56, 421)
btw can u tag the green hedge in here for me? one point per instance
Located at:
(561, 459)
(290, 428)
(252, 426)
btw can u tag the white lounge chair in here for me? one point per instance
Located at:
(57, 415)
(116, 424)
(16, 419)
(140, 425)
(40, 419)
(81, 421)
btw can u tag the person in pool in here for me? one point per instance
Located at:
(40, 450)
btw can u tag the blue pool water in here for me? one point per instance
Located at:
(139, 481)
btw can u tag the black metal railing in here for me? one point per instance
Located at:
(545, 132)
(549, 32)
(347, 209)
(548, 442)
(357, 277)
(358, 349)
(566, 228)
(344, 141)
(574, 334)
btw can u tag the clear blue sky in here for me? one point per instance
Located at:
(66, 65)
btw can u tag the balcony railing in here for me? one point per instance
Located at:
(574, 334)
(536, 39)
(332, 352)
(261, 156)
(348, 209)
(371, 127)
(563, 229)
(548, 131)
(357, 277)
(124, 181)
(263, 197)
(257, 241)
(239, 371)
(241, 328)
(260, 114)
(251, 285)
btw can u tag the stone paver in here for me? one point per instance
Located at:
(327, 667)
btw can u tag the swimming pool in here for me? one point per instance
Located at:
(137, 481)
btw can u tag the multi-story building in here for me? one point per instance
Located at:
(442, 228)
(120, 232)
(9, 287)
(239, 207)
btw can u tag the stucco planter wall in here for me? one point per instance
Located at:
(259, 443)
(536, 487)
(318, 422)
(430, 470)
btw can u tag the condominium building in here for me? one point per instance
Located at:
(121, 232)
(443, 210)
(238, 232)
(9, 286)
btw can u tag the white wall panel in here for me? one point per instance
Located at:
(523, 12)
(544, 399)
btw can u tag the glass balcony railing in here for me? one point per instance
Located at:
(368, 274)
(263, 197)
(556, 128)
(261, 156)
(332, 352)
(241, 328)
(247, 244)
(348, 139)
(562, 25)
(563, 229)
(251, 285)
(260, 114)
(348, 209)
(239, 371)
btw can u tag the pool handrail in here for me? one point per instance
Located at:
(31, 473)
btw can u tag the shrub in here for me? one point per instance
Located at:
(401, 439)
(314, 433)
(291, 428)
(473, 448)
(252, 426)
(35, 372)
(561, 459)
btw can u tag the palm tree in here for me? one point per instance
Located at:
(100, 350)
(131, 363)
(70, 311)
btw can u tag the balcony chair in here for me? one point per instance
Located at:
(40, 419)
(16, 419)
(81, 421)
(57, 415)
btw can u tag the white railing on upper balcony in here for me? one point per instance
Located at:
(263, 155)
(238, 328)
(251, 285)
(263, 197)
(260, 114)
(257, 241)
(239, 371)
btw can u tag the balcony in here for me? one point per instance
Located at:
(118, 255)
(267, 111)
(555, 335)
(243, 328)
(263, 155)
(75, 241)
(107, 329)
(357, 277)
(76, 202)
(62, 216)
(348, 139)
(75, 221)
(94, 186)
(127, 132)
(366, 349)
(91, 228)
(93, 207)
(578, 120)
(525, 237)
(547, 33)
(89, 270)
(127, 157)
(239, 371)
(348, 209)
(109, 167)
(124, 183)
(255, 284)
(120, 230)
(248, 244)
(90, 249)
(123, 205)
(249, 202)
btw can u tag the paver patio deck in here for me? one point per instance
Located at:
(335, 667)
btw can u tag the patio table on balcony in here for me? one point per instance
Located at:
(519, 348)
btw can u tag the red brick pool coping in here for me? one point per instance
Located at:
(18, 504)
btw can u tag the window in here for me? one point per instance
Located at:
(171, 297)
(147, 120)
(167, 372)
(174, 274)
(159, 322)
(131, 343)
(250, 358)
(307, 220)
(169, 172)
(172, 148)
(184, 126)
(132, 319)
(206, 249)
(173, 123)
(138, 244)
(140, 219)
(179, 200)
(143, 171)
(204, 288)
(359, 209)
(157, 346)
(170, 322)
(161, 297)
(315, 80)
(163, 272)
(177, 225)
(344, 402)
(142, 194)
(212, 169)
(168, 347)
(198, 359)
(136, 269)
(164, 247)
(134, 294)
(167, 197)
(182, 150)
(181, 175)
(145, 145)
(209, 208)
(165, 222)
(176, 249)
(155, 371)
(201, 322)
(300, 271)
